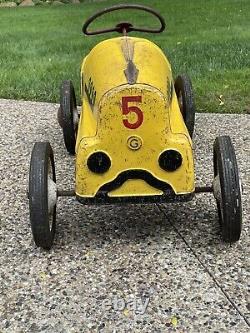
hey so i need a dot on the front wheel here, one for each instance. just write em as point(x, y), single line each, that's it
point(42, 195)
point(184, 93)
point(227, 189)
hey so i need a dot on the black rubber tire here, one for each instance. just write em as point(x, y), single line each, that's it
point(41, 157)
point(229, 207)
point(184, 91)
point(67, 115)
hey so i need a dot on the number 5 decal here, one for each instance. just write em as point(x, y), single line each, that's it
point(126, 109)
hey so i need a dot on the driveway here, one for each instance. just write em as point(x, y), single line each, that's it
point(133, 268)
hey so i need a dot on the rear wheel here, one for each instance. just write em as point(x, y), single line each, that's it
point(68, 115)
point(183, 89)
point(227, 189)
point(42, 195)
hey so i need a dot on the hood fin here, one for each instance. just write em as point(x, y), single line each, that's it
point(131, 72)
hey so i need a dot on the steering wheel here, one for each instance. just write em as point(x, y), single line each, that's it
point(123, 27)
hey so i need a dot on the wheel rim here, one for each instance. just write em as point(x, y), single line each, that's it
point(180, 102)
point(217, 191)
point(75, 119)
point(181, 105)
point(217, 188)
point(52, 195)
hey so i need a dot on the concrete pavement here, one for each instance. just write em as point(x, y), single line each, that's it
point(106, 261)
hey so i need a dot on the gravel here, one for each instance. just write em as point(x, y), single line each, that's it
point(108, 261)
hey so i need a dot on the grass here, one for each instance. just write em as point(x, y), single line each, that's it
point(209, 40)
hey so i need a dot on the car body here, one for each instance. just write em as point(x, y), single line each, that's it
point(133, 120)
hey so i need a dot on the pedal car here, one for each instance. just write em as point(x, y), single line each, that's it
point(133, 137)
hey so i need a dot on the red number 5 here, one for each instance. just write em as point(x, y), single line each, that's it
point(126, 109)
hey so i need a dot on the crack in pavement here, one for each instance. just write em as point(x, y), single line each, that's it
point(206, 269)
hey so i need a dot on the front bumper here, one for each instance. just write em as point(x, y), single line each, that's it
point(103, 195)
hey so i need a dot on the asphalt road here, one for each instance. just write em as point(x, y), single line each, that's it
point(119, 269)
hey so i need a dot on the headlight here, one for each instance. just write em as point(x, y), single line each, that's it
point(170, 160)
point(99, 162)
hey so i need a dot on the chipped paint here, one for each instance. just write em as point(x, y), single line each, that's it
point(111, 137)
point(131, 72)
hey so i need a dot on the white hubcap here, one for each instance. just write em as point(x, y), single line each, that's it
point(52, 195)
point(217, 188)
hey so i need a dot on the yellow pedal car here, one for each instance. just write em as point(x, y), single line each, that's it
point(133, 138)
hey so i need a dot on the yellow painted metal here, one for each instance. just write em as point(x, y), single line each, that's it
point(106, 63)
point(135, 187)
point(102, 128)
